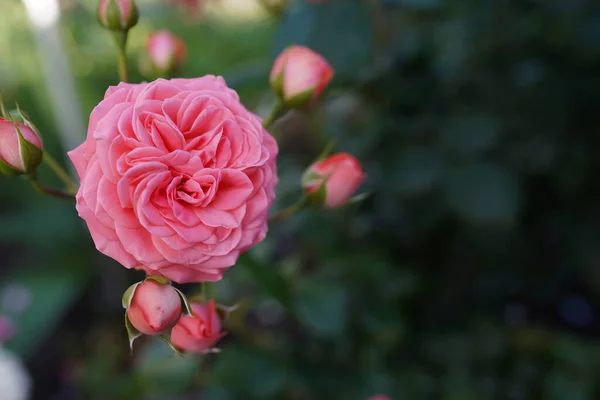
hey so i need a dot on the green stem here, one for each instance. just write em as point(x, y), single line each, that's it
point(61, 173)
point(290, 210)
point(278, 110)
point(327, 150)
point(120, 39)
point(59, 194)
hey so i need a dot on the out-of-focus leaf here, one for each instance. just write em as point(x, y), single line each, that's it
point(250, 372)
point(451, 48)
point(53, 289)
point(483, 194)
point(465, 135)
point(160, 370)
point(44, 226)
point(217, 394)
point(322, 307)
point(417, 170)
point(558, 386)
point(268, 278)
point(417, 4)
point(340, 30)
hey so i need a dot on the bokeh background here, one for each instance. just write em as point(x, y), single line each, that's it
point(471, 272)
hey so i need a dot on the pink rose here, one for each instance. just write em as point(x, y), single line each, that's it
point(200, 332)
point(379, 397)
point(341, 175)
point(154, 307)
point(299, 75)
point(117, 15)
point(166, 51)
point(18, 155)
point(177, 177)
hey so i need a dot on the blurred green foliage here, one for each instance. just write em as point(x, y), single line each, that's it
point(472, 270)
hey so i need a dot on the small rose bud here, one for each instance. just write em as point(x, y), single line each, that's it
point(118, 15)
point(334, 179)
point(300, 75)
point(166, 52)
point(379, 397)
point(154, 307)
point(20, 148)
point(199, 333)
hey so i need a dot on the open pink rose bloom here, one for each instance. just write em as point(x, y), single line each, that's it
point(177, 177)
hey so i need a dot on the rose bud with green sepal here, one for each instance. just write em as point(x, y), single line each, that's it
point(153, 307)
point(118, 15)
point(198, 333)
point(20, 148)
point(333, 180)
point(299, 76)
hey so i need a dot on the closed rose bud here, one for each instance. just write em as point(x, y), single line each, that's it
point(118, 15)
point(335, 179)
point(154, 307)
point(199, 333)
point(300, 75)
point(20, 148)
point(379, 397)
point(166, 52)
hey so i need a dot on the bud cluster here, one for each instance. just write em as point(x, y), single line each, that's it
point(155, 308)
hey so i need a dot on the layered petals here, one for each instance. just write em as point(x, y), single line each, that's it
point(177, 177)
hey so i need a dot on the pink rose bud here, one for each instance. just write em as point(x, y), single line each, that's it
point(154, 308)
point(334, 179)
point(379, 397)
point(166, 52)
point(20, 148)
point(300, 75)
point(118, 15)
point(199, 333)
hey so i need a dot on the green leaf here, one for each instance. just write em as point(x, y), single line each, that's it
point(132, 332)
point(268, 278)
point(30, 153)
point(167, 339)
point(323, 308)
point(128, 295)
point(483, 194)
point(185, 301)
point(3, 112)
point(7, 170)
point(339, 30)
point(26, 120)
point(159, 279)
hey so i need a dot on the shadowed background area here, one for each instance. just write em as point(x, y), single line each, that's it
point(471, 272)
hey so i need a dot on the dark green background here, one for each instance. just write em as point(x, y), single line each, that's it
point(471, 272)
